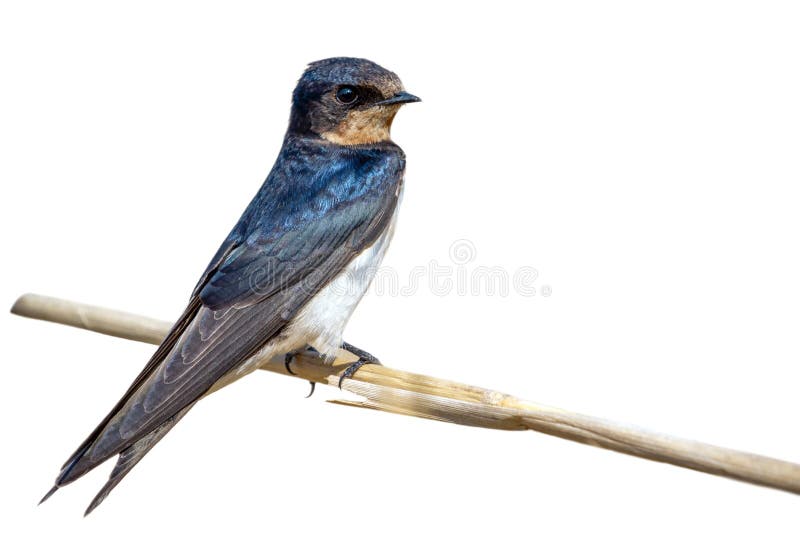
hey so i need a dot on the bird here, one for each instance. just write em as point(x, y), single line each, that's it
point(291, 271)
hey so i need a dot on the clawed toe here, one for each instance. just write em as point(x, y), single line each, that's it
point(364, 358)
point(351, 370)
point(287, 362)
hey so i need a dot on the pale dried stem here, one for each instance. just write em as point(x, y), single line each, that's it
point(390, 390)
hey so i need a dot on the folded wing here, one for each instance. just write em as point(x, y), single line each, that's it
point(260, 278)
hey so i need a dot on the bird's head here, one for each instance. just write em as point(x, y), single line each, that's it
point(347, 101)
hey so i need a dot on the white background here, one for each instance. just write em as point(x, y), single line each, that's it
point(642, 157)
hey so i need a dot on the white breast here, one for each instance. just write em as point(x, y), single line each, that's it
point(321, 322)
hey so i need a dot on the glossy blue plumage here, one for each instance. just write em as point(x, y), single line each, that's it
point(323, 205)
point(311, 183)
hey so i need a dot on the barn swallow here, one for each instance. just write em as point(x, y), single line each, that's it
point(321, 222)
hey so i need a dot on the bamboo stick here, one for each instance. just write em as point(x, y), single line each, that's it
point(401, 392)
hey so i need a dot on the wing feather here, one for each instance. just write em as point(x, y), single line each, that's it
point(262, 275)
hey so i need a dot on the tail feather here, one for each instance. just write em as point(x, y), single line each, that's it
point(79, 463)
point(126, 461)
point(130, 456)
point(72, 471)
point(66, 470)
point(49, 493)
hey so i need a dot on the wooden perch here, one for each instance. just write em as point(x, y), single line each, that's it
point(390, 390)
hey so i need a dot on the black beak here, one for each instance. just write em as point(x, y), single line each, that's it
point(400, 98)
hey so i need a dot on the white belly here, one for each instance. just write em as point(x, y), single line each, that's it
point(321, 322)
point(323, 319)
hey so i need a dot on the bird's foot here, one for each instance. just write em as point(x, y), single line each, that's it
point(364, 358)
point(287, 362)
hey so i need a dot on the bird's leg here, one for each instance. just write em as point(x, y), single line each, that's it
point(364, 358)
point(287, 362)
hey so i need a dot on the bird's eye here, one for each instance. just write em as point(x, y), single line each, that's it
point(347, 94)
